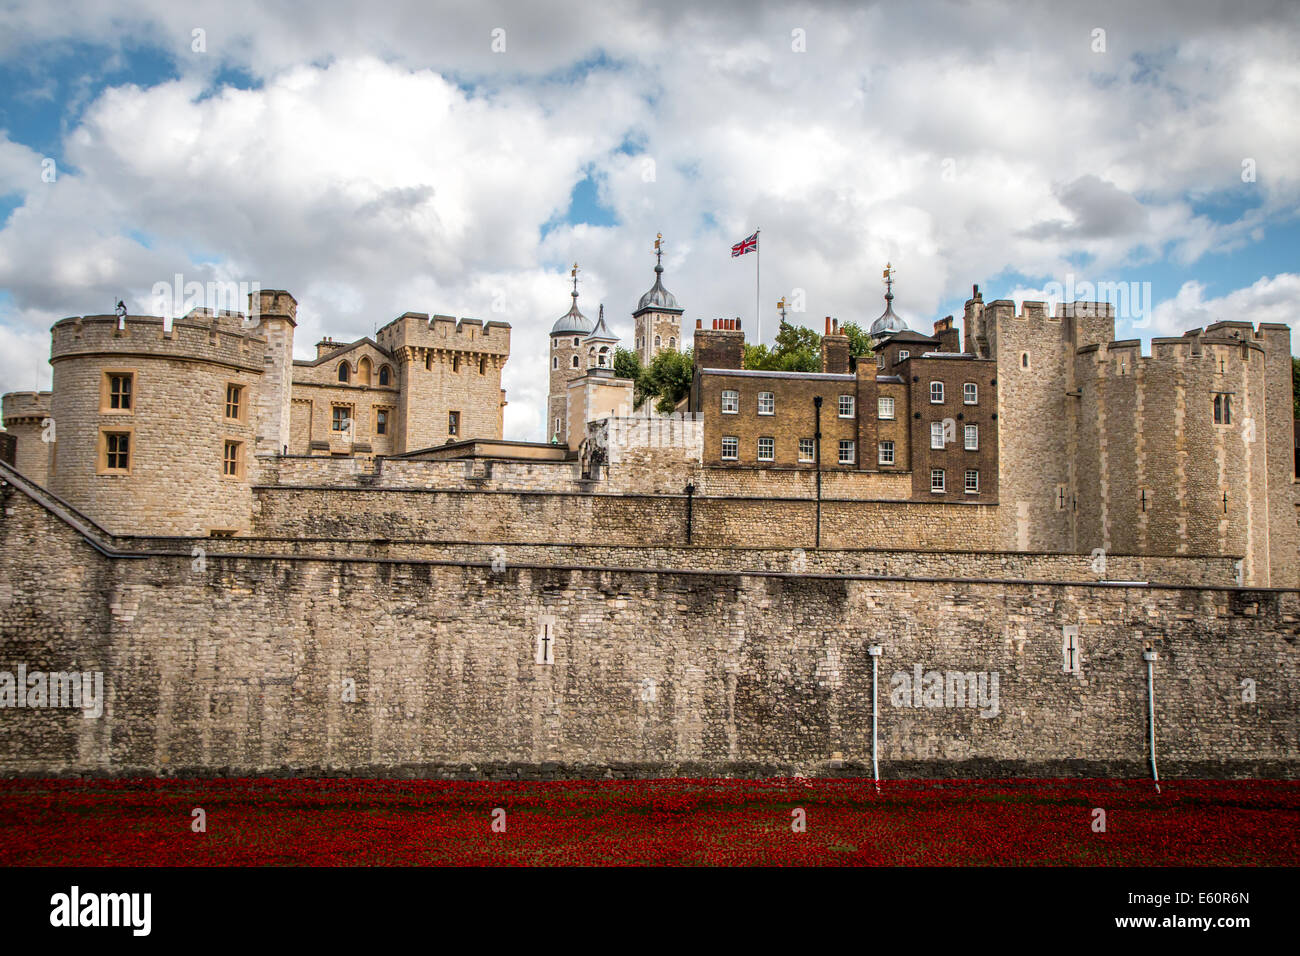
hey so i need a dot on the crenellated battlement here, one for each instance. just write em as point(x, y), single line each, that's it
point(200, 336)
point(17, 406)
point(445, 333)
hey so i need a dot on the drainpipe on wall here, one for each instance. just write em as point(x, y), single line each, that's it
point(1150, 657)
point(874, 651)
point(817, 444)
point(690, 500)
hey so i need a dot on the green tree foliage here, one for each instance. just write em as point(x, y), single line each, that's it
point(627, 364)
point(796, 349)
point(668, 378)
point(859, 341)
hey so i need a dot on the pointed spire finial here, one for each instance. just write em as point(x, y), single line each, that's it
point(574, 273)
point(659, 253)
point(888, 276)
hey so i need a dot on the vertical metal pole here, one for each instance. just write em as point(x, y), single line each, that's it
point(874, 651)
point(758, 283)
point(1150, 658)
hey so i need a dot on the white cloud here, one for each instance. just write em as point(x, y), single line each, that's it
point(392, 162)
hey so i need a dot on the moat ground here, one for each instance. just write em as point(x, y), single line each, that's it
point(674, 822)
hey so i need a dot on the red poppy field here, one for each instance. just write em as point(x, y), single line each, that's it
point(329, 822)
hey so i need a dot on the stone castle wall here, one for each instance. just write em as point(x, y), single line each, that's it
point(24, 413)
point(241, 666)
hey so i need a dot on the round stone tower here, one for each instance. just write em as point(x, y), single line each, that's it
point(156, 421)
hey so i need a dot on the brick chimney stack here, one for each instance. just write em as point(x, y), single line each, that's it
point(835, 348)
point(722, 346)
point(949, 338)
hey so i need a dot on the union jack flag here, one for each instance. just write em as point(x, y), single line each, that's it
point(744, 246)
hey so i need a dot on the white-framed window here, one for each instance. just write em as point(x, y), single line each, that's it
point(848, 452)
point(880, 360)
point(806, 450)
point(886, 456)
point(730, 448)
point(730, 401)
point(902, 354)
point(970, 394)
point(885, 408)
point(936, 434)
point(972, 437)
point(846, 406)
point(576, 342)
point(972, 481)
point(767, 403)
point(936, 481)
point(766, 449)
point(936, 393)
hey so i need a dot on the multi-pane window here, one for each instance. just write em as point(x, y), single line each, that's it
point(846, 406)
point(884, 408)
point(936, 393)
point(970, 394)
point(119, 392)
point(902, 354)
point(806, 449)
point(343, 371)
point(1223, 409)
point(767, 403)
point(230, 459)
point(233, 395)
point(342, 418)
point(848, 453)
point(730, 401)
point(972, 481)
point(886, 456)
point(936, 480)
point(766, 449)
point(880, 360)
point(383, 375)
point(972, 437)
point(936, 434)
point(730, 448)
point(117, 451)
point(453, 423)
point(381, 422)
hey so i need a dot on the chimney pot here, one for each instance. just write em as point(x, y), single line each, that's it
point(828, 325)
point(835, 325)
point(699, 323)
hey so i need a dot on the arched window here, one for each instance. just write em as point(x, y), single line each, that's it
point(575, 361)
point(555, 361)
point(603, 358)
point(656, 341)
point(576, 343)
point(672, 342)
point(343, 371)
point(363, 372)
point(384, 374)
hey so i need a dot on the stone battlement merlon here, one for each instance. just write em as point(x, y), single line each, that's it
point(445, 333)
point(21, 405)
point(216, 340)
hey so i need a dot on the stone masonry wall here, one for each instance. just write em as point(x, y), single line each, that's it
point(240, 667)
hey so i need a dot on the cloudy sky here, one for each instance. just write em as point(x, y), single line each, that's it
point(457, 158)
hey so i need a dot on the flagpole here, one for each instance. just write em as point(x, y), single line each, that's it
point(758, 282)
